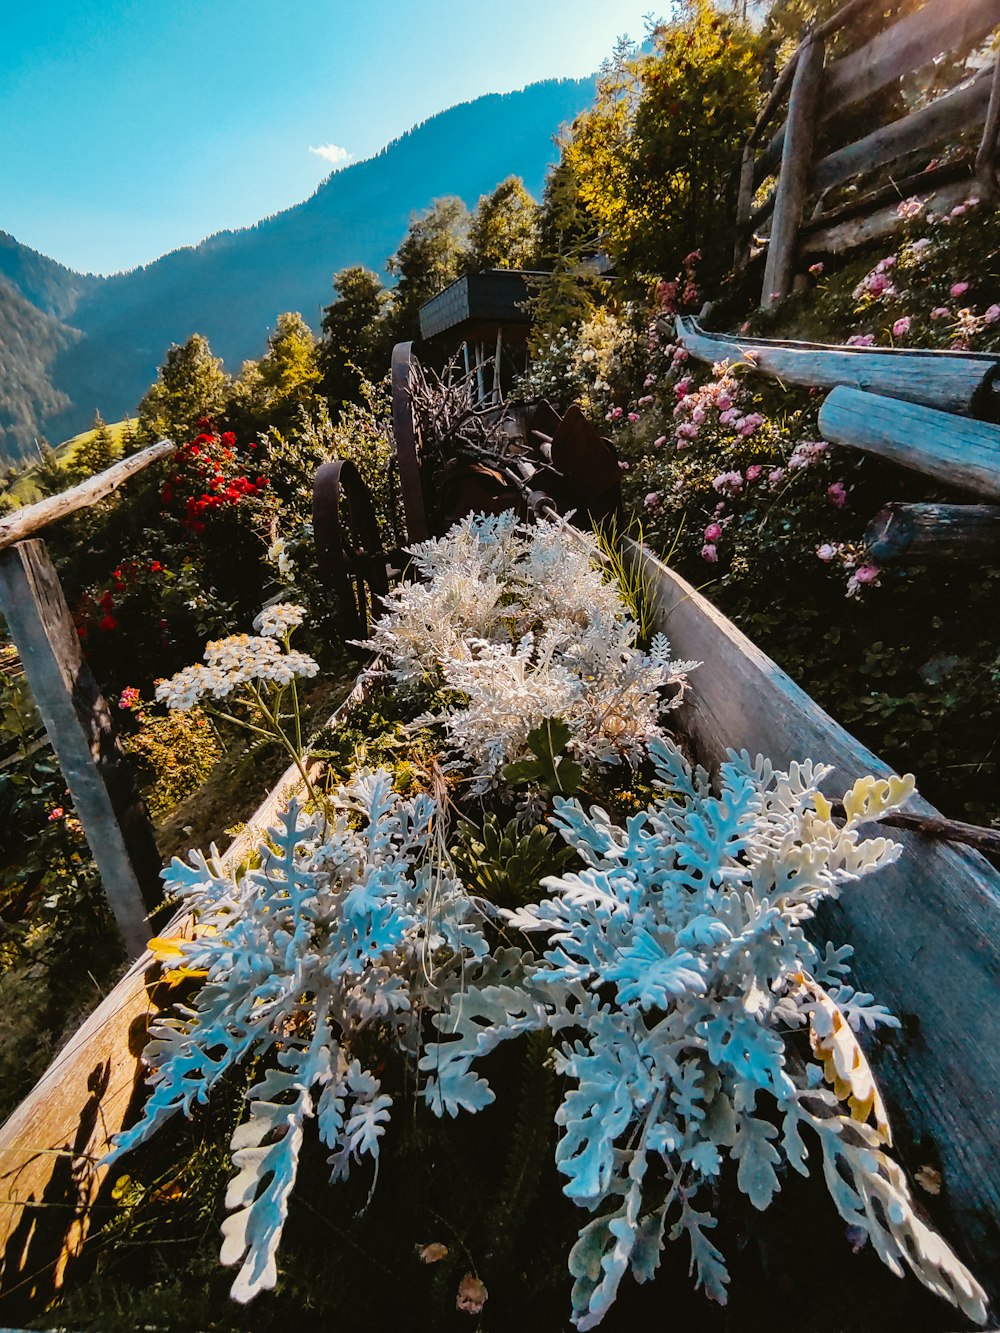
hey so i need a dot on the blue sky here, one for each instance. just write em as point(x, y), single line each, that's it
point(135, 126)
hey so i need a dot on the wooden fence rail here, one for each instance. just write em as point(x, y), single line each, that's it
point(820, 93)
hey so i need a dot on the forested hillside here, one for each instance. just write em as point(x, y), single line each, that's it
point(232, 286)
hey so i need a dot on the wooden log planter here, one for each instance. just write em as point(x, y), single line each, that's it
point(961, 382)
point(927, 938)
point(928, 532)
point(952, 450)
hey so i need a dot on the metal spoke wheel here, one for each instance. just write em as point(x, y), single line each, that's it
point(349, 552)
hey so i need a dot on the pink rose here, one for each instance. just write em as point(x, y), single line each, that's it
point(616, 413)
point(816, 270)
point(826, 552)
point(992, 314)
point(866, 573)
point(958, 289)
point(940, 312)
point(709, 553)
point(652, 500)
point(754, 471)
point(901, 327)
point(659, 442)
point(713, 532)
point(633, 417)
point(837, 494)
point(778, 475)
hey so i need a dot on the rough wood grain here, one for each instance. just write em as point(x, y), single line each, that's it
point(81, 732)
point(953, 381)
point(406, 443)
point(942, 25)
point(985, 170)
point(50, 1145)
point(953, 450)
point(922, 532)
point(944, 119)
point(741, 252)
point(841, 237)
point(32, 518)
point(926, 932)
point(796, 161)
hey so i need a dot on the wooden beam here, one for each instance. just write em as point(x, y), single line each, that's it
point(985, 166)
point(32, 518)
point(744, 204)
point(941, 25)
point(80, 730)
point(840, 238)
point(944, 118)
point(920, 183)
point(952, 450)
point(926, 931)
point(50, 1144)
point(953, 381)
point(924, 532)
point(796, 161)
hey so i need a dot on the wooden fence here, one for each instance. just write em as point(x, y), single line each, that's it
point(76, 717)
point(819, 92)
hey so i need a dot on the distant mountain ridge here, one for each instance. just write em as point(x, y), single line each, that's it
point(233, 285)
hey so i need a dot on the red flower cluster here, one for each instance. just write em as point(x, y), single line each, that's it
point(209, 477)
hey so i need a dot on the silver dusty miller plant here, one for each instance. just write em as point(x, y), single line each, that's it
point(514, 625)
point(341, 926)
point(679, 974)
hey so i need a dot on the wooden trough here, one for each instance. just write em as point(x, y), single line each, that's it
point(927, 935)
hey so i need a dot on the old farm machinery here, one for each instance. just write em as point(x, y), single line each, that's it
point(460, 449)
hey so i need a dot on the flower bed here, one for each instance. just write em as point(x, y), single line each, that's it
point(577, 885)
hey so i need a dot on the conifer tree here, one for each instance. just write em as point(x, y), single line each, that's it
point(97, 451)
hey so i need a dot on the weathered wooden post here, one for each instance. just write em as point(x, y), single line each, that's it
point(921, 532)
point(75, 715)
point(79, 727)
point(744, 240)
point(953, 450)
point(793, 182)
point(986, 174)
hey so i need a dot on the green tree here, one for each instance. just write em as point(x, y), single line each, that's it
point(504, 231)
point(656, 157)
point(430, 256)
point(49, 474)
point(191, 384)
point(271, 391)
point(357, 337)
point(97, 451)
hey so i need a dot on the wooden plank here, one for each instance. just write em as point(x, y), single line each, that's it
point(741, 251)
point(922, 532)
point(944, 118)
point(926, 931)
point(985, 170)
point(32, 518)
point(406, 443)
point(842, 237)
point(796, 160)
point(952, 450)
point(952, 381)
point(91, 1090)
point(942, 25)
point(81, 732)
point(919, 183)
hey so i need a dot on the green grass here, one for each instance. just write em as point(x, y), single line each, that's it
point(25, 489)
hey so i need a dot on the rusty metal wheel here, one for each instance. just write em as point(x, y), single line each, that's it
point(349, 550)
point(407, 451)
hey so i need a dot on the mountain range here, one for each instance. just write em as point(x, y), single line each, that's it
point(72, 343)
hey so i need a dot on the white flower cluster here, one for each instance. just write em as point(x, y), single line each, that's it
point(232, 662)
point(274, 622)
point(519, 623)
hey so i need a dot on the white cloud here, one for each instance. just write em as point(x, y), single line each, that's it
point(332, 153)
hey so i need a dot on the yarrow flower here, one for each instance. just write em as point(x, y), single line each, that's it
point(232, 662)
point(274, 622)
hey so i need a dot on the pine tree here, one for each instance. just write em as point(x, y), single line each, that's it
point(191, 385)
point(97, 451)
